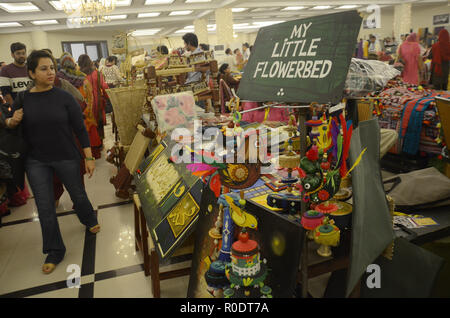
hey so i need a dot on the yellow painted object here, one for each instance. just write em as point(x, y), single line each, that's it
point(328, 235)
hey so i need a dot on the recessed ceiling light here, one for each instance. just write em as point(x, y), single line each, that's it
point(44, 22)
point(235, 10)
point(292, 8)
point(196, 1)
point(181, 31)
point(57, 5)
point(148, 2)
point(186, 12)
point(149, 14)
point(145, 32)
point(116, 17)
point(266, 23)
point(321, 7)
point(19, 7)
point(10, 24)
point(264, 9)
point(123, 3)
point(348, 6)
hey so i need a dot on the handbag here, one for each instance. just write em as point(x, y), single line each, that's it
point(12, 143)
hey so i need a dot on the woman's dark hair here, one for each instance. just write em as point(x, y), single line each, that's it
point(17, 46)
point(34, 57)
point(228, 51)
point(246, 45)
point(190, 39)
point(235, 51)
point(85, 63)
point(163, 49)
point(223, 67)
point(111, 59)
point(251, 48)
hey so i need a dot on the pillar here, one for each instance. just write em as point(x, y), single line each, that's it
point(39, 40)
point(201, 30)
point(402, 19)
point(224, 23)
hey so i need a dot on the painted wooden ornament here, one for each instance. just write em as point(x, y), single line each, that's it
point(327, 235)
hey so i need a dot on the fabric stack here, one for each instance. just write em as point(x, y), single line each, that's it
point(411, 111)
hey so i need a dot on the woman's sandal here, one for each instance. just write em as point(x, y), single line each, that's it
point(47, 268)
point(95, 229)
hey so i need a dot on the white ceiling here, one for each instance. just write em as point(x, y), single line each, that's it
point(256, 11)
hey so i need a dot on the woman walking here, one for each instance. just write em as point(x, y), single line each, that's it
point(440, 61)
point(70, 72)
point(409, 52)
point(50, 116)
point(99, 88)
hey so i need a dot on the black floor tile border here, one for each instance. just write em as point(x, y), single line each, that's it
point(86, 290)
point(111, 205)
point(35, 219)
point(104, 206)
point(36, 290)
point(119, 272)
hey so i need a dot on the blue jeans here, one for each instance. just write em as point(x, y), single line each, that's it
point(40, 177)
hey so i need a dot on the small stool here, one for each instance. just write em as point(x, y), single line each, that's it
point(144, 243)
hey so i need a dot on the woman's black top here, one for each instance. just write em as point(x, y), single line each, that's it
point(50, 121)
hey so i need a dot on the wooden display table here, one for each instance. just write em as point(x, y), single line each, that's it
point(144, 243)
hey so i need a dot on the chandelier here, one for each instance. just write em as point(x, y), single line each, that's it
point(89, 11)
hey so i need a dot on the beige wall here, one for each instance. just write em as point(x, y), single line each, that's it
point(421, 17)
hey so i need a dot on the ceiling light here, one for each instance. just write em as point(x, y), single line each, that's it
point(116, 17)
point(19, 7)
point(264, 9)
point(145, 32)
point(10, 24)
point(148, 14)
point(57, 5)
point(148, 2)
point(348, 6)
point(235, 10)
point(123, 3)
point(293, 8)
point(321, 7)
point(266, 23)
point(196, 1)
point(182, 31)
point(44, 22)
point(186, 12)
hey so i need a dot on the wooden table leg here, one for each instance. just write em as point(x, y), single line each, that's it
point(144, 234)
point(154, 263)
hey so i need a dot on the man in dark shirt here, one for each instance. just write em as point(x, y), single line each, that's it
point(14, 77)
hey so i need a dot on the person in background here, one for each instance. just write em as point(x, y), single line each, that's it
point(371, 48)
point(163, 49)
point(13, 77)
point(99, 88)
point(230, 60)
point(360, 49)
point(251, 49)
point(50, 117)
point(409, 52)
point(225, 74)
point(440, 56)
point(111, 73)
point(69, 71)
point(246, 52)
point(191, 46)
point(239, 59)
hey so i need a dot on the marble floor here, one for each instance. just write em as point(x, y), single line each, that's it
point(107, 262)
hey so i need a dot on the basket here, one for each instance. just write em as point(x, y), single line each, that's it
point(127, 103)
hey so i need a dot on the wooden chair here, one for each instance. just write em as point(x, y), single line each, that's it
point(144, 243)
